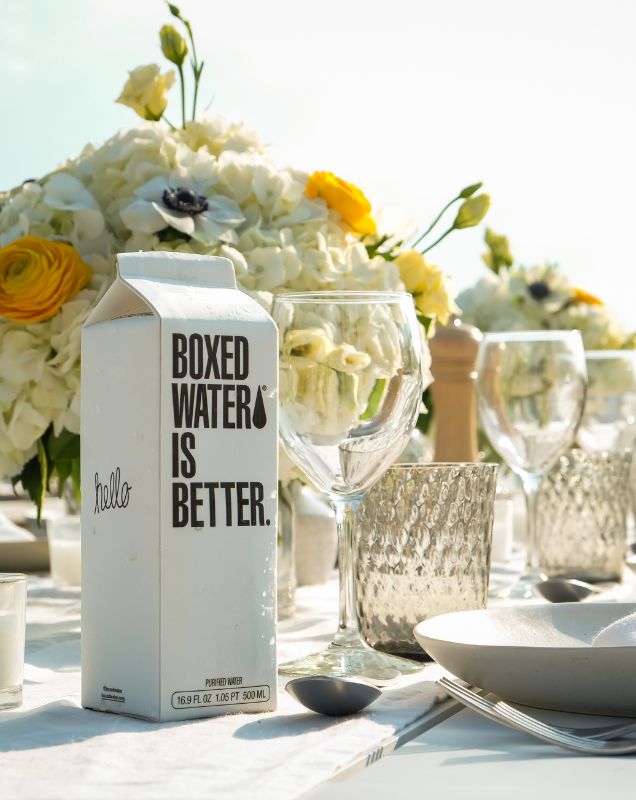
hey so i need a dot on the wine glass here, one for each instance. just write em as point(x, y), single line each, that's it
point(609, 417)
point(350, 395)
point(531, 392)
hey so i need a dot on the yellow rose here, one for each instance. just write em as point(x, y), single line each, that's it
point(37, 276)
point(581, 296)
point(413, 270)
point(343, 197)
point(428, 284)
point(145, 91)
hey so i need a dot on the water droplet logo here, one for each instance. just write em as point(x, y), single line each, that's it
point(259, 417)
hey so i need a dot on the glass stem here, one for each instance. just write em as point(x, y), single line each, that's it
point(531, 485)
point(348, 634)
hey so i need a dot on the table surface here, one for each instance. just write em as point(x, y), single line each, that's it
point(52, 748)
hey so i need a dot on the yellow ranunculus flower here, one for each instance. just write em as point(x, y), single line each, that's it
point(37, 276)
point(428, 285)
point(343, 197)
point(581, 296)
point(145, 91)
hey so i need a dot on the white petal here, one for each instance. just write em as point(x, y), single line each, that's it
point(176, 219)
point(142, 217)
point(153, 189)
point(222, 209)
point(67, 193)
point(206, 230)
point(89, 224)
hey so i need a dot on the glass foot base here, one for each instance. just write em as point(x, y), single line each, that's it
point(11, 697)
point(357, 660)
point(526, 586)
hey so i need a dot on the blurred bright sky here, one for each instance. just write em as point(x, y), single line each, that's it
point(409, 100)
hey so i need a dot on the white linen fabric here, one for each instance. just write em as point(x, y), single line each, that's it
point(52, 748)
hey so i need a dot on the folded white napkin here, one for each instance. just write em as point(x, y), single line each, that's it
point(621, 633)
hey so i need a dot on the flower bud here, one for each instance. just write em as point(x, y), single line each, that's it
point(498, 254)
point(472, 211)
point(173, 45)
point(470, 190)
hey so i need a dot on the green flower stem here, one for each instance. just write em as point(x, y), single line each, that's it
point(196, 68)
point(197, 75)
point(437, 241)
point(182, 80)
point(435, 221)
point(167, 121)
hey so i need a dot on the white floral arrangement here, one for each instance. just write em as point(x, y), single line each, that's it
point(514, 297)
point(206, 187)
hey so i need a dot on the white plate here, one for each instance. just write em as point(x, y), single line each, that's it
point(538, 655)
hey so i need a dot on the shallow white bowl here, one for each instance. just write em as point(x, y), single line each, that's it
point(538, 655)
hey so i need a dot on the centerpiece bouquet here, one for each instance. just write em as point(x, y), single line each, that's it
point(202, 185)
point(515, 297)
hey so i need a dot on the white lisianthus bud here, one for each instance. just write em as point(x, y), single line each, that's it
point(346, 358)
point(307, 345)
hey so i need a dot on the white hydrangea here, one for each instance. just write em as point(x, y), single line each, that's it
point(539, 298)
point(111, 199)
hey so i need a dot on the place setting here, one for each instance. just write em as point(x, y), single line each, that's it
point(278, 500)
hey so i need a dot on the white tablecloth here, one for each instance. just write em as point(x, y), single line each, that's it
point(52, 748)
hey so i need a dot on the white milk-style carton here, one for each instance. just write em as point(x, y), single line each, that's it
point(179, 477)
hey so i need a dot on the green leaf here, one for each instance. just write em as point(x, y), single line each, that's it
point(174, 10)
point(470, 190)
point(425, 322)
point(66, 446)
point(374, 399)
point(170, 234)
point(424, 420)
point(34, 478)
point(63, 472)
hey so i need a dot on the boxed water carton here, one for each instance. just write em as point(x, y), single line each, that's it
point(179, 476)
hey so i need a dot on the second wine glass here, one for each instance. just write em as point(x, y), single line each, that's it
point(350, 395)
point(531, 393)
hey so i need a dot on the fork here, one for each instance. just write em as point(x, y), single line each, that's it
point(547, 733)
point(613, 731)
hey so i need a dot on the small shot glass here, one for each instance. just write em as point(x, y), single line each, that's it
point(65, 551)
point(12, 627)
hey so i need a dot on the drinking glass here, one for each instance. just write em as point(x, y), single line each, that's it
point(12, 627)
point(531, 392)
point(609, 417)
point(64, 535)
point(350, 394)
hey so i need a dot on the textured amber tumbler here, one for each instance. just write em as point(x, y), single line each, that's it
point(582, 515)
point(423, 536)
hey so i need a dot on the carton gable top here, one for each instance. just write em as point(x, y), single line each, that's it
point(176, 286)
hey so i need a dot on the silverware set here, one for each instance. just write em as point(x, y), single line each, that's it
point(605, 740)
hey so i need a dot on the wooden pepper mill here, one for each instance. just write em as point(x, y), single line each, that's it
point(454, 357)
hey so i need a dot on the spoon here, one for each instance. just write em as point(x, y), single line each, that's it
point(334, 697)
point(565, 590)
